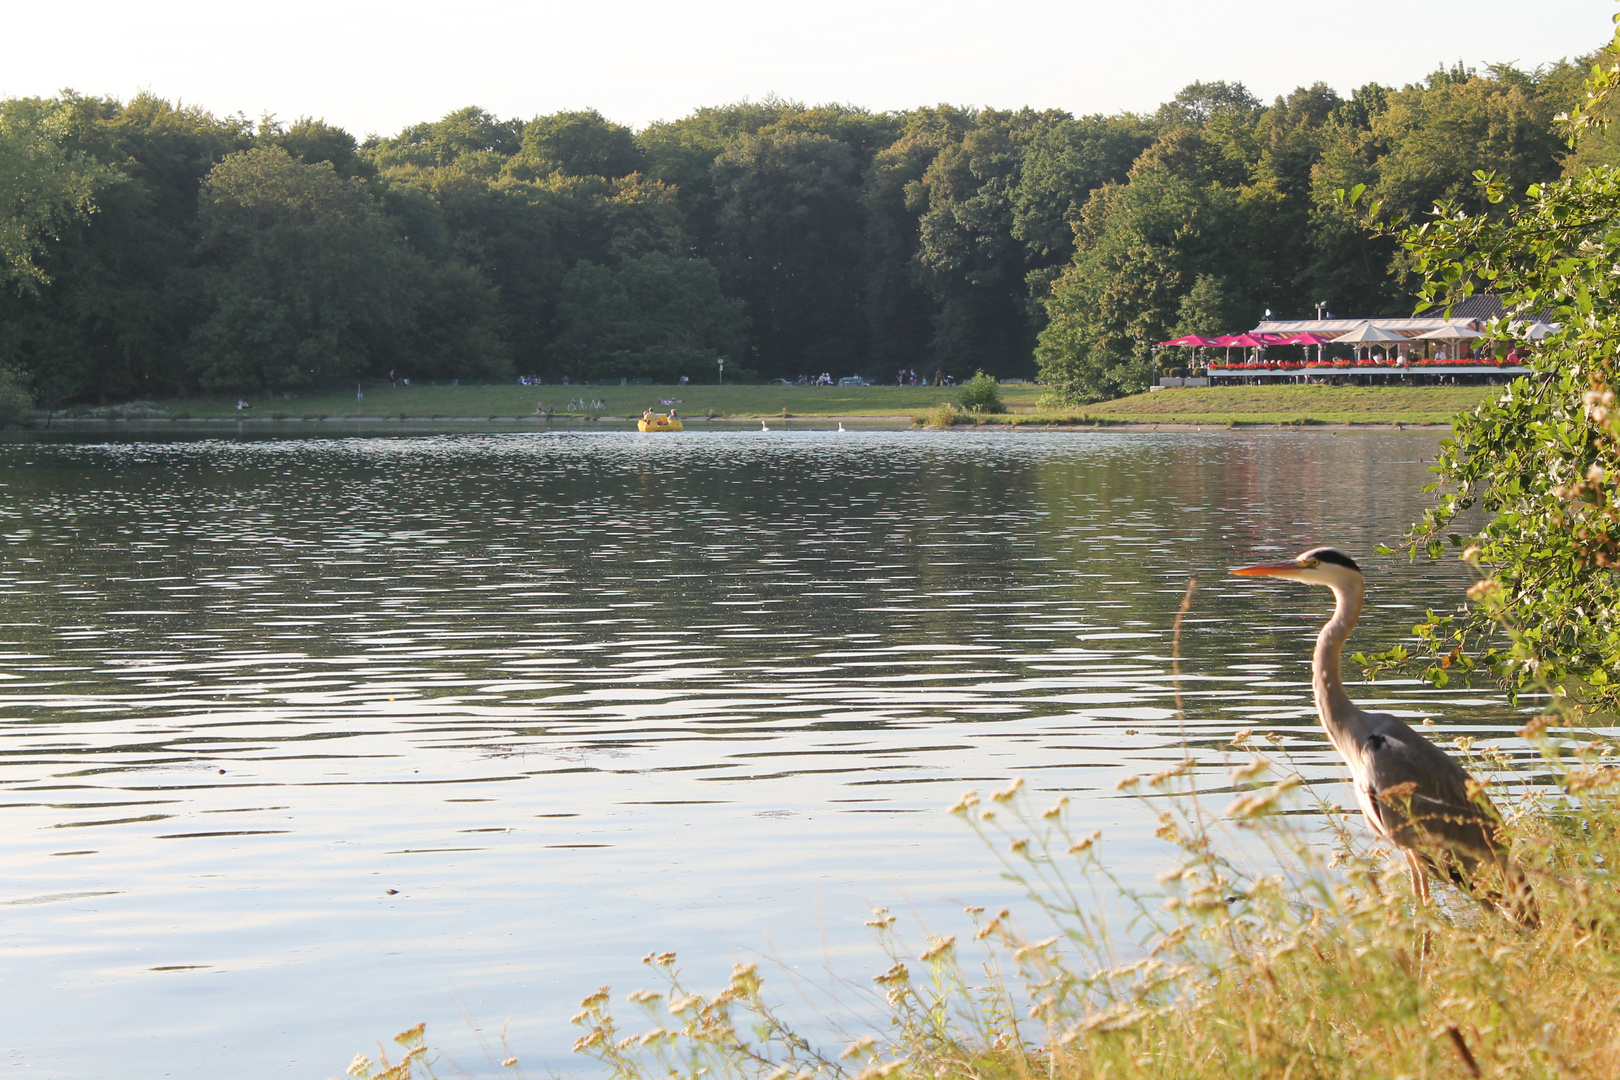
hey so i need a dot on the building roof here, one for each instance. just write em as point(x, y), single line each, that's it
point(1479, 306)
point(1470, 311)
point(1408, 326)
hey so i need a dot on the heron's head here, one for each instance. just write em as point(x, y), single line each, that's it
point(1319, 566)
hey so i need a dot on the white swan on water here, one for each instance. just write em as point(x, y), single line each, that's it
point(840, 425)
point(762, 426)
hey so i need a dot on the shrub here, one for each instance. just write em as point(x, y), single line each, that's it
point(944, 416)
point(980, 394)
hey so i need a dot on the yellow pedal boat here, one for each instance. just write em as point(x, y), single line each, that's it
point(661, 423)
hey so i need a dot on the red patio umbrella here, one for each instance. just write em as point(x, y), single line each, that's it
point(1250, 341)
point(1190, 339)
point(1226, 341)
point(1308, 339)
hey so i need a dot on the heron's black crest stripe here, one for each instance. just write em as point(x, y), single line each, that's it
point(1376, 741)
point(1336, 557)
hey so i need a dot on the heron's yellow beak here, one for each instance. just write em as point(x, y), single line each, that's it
point(1289, 569)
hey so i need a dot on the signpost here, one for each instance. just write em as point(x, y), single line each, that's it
point(722, 371)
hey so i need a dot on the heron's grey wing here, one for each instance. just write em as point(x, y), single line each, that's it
point(1419, 793)
point(1430, 813)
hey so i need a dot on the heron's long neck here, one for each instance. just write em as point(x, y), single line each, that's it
point(1333, 705)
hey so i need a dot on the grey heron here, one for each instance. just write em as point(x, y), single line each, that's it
point(1412, 793)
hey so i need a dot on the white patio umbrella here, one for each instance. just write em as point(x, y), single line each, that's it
point(1536, 331)
point(1368, 334)
point(1450, 333)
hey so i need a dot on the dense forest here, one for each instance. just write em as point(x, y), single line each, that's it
point(149, 249)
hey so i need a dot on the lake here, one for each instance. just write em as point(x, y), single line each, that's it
point(307, 740)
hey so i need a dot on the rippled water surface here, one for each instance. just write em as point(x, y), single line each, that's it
point(306, 741)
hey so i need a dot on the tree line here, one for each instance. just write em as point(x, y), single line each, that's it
point(149, 249)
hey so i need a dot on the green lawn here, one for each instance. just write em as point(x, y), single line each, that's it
point(483, 402)
point(1212, 405)
point(1294, 404)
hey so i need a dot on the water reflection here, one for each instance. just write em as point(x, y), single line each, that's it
point(305, 739)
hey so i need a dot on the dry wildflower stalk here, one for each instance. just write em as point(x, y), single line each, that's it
point(1320, 966)
point(1322, 969)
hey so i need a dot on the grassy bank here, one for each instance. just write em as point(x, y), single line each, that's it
point(484, 402)
point(1295, 404)
point(1321, 963)
point(1214, 405)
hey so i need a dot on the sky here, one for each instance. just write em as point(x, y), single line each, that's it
point(374, 67)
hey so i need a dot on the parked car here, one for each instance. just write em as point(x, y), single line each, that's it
point(781, 382)
point(853, 380)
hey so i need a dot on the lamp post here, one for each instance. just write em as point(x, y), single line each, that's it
point(722, 362)
point(1321, 305)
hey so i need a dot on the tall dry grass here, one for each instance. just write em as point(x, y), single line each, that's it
point(1277, 946)
point(1313, 959)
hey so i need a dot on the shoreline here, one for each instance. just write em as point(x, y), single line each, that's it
point(791, 421)
point(515, 408)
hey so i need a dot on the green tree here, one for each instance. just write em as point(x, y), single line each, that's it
point(459, 325)
point(1347, 264)
point(789, 244)
point(682, 153)
point(15, 400)
point(467, 132)
point(313, 141)
point(522, 236)
point(578, 144)
point(519, 236)
point(1143, 248)
point(1062, 166)
point(1434, 138)
point(1413, 148)
point(123, 295)
point(1562, 88)
point(303, 273)
point(1123, 291)
point(43, 186)
point(1200, 103)
point(456, 329)
point(900, 308)
point(1205, 308)
point(651, 316)
point(1542, 459)
point(967, 254)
